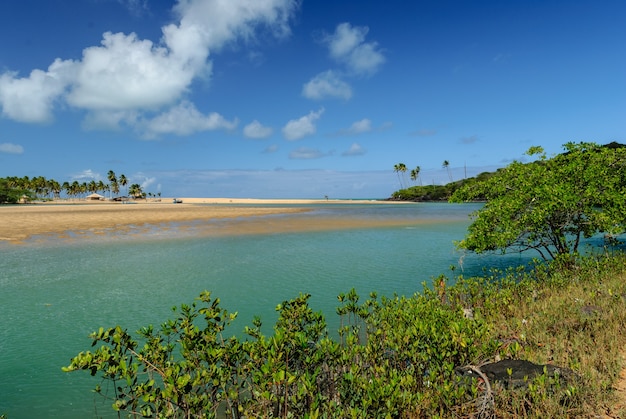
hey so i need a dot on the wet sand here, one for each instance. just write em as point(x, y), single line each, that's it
point(21, 222)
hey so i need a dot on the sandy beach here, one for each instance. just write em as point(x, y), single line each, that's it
point(21, 222)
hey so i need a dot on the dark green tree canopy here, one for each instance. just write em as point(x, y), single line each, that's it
point(549, 205)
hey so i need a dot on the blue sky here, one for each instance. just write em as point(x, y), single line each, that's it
point(301, 99)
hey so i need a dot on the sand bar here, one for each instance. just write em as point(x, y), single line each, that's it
point(21, 222)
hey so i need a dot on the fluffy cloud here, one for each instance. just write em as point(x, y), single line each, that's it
point(30, 99)
point(256, 130)
point(299, 128)
point(347, 45)
point(11, 148)
point(327, 84)
point(126, 75)
point(185, 119)
point(355, 150)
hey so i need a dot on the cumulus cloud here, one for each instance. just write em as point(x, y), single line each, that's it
point(223, 21)
point(299, 128)
point(185, 119)
point(125, 74)
point(30, 99)
point(256, 130)
point(11, 148)
point(355, 150)
point(305, 153)
point(347, 45)
point(327, 85)
point(110, 120)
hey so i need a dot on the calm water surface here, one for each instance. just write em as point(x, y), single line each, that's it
point(53, 293)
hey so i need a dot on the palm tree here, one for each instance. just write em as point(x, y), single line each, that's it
point(135, 191)
point(75, 189)
point(124, 182)
point(400, 168)
point(446, 165)
point(415, 174)
point(101, 186)
point(92, 186)
point(67, 188)
point(112, 181)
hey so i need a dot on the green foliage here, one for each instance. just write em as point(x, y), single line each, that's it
point(549, 205)
point(436, 192)
point(10, 193)
point(397, 357)
point(387, 365)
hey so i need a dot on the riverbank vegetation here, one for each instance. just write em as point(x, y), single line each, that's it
point(550, 205)
point(403, 357)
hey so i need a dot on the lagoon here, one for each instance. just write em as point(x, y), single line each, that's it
point(54, 292)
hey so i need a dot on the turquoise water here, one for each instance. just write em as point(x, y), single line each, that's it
point(53, 293)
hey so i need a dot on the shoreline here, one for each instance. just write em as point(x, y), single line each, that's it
point(195, 200)
point(22, 222)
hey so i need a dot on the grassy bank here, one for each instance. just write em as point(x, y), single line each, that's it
point(570, 316)
point(428, 355)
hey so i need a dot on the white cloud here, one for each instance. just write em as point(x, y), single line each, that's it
point(185, 119)
point(256, 130)
point(327, 84)
point(348, 46)
point(30, 99)
point(355, 150)
point(11, 148)
point(128, 74)
point(364, 125)
point(223, 21)
point(144, 181)
point(299, 128)
point(305, 153)
point(87, 174)
point(110, 120)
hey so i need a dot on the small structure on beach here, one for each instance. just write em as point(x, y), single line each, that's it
point(95, 197)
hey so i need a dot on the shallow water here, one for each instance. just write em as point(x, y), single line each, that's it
point(54, 292)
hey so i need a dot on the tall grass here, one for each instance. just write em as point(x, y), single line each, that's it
point(570, 315)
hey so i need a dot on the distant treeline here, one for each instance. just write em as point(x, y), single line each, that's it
point(426, 193)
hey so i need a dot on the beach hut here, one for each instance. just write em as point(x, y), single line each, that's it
point(95, 197)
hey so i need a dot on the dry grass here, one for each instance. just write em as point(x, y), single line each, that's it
point(574, 318)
